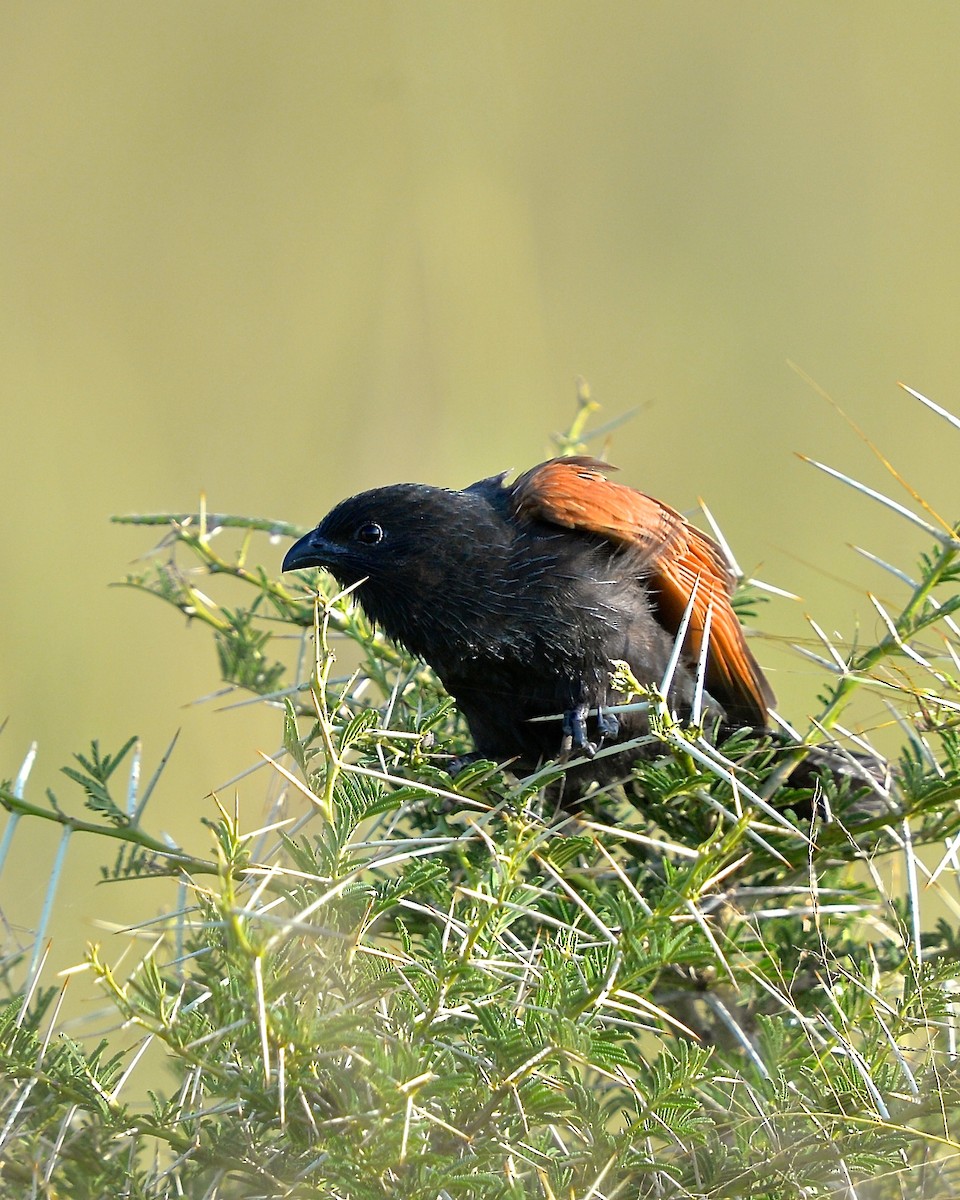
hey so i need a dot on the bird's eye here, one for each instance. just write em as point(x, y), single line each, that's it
point(369, 534)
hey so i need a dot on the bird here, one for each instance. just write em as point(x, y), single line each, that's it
point(522, 595)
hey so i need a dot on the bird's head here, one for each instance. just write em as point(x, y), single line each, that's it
point(370, 536)
point(411, 552)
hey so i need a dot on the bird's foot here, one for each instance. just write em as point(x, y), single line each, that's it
point(608, 724)
point(575, 733)
point(456, 765)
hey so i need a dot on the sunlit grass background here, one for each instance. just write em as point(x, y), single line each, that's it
point(283, 252)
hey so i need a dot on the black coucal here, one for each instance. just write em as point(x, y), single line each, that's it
point(521, 595)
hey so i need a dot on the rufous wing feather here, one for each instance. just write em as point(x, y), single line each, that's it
point(673, 556)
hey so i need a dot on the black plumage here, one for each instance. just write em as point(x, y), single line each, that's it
point(520, 596)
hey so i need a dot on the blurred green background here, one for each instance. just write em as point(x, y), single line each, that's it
point(283, 252)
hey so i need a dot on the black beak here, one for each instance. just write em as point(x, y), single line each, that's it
point(310, 551)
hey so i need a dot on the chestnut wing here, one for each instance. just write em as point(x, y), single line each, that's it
point(576, 494)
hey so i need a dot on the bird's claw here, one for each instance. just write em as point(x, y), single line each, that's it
point(456, 765)
point(575, 733)
point(608, 723)
point(575, 730)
